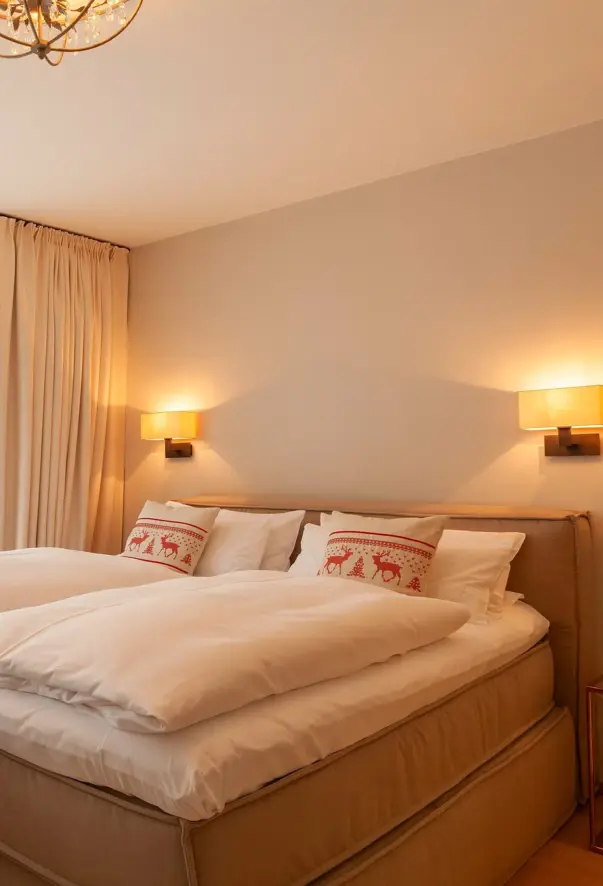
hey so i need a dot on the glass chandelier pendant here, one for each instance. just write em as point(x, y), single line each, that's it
point(51, 28)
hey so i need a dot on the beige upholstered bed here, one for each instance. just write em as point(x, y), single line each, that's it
point(463, 791)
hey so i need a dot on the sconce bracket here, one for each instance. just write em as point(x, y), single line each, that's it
point(179, 449)
point(565, 443)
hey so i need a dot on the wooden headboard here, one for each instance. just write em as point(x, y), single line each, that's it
point(554, 570)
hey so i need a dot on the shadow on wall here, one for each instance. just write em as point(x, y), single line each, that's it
point(345, 431)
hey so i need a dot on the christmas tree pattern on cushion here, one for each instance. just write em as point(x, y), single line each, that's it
point(414, 585)
point(358, 570)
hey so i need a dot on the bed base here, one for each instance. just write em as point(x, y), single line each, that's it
point(482, 832)
point(525, 793)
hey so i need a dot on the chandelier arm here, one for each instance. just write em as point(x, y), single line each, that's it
point(14, 40)
point(75, 22)
point(103, 42)
point(61, 56)
point(38, 31)
point(20, 55)
point(41, 25)
point(55, 64)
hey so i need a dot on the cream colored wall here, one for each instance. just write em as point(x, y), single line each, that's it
point(369, 344)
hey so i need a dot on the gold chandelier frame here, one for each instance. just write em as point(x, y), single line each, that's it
point(42, 48)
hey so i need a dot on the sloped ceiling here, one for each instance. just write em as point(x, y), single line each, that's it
point(210, 110)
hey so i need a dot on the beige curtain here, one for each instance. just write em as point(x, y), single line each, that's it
point(63, 316)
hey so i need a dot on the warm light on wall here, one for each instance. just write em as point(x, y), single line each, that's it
point(170, 426)
point(563, 409)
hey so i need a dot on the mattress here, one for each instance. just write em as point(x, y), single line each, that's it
point(297, 828)
point(195, 772)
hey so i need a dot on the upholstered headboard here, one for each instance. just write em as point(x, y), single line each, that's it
point(554, 570)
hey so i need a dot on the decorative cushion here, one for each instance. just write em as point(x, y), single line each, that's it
point(233, 545)
point(170, 536)
point(393, 553)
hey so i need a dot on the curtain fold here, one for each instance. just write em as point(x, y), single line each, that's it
point(63, 341)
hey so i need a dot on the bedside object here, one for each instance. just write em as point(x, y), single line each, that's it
point(563, 409)
point(592, 691)
point(176, 429)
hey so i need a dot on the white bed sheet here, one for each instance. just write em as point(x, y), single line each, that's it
point(193, 773)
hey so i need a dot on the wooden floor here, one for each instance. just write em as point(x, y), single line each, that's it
point(565, 861)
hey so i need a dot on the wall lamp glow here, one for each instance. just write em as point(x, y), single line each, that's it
point(562, 409)
point(170, 427)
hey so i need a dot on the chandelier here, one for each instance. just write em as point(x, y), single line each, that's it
point(51, 28)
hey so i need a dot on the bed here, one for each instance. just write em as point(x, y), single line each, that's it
point(458, 786)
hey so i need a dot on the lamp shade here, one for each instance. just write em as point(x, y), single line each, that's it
point(169, 425)
point(580, 407)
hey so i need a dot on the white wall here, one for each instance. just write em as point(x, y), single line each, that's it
point(369, 344)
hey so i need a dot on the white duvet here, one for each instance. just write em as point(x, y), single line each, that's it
point(162, 657)
point(41, 575)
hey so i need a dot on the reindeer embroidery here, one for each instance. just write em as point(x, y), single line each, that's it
point(382, 566)
point(169, 548)
point(336, 561)
point(137, 541)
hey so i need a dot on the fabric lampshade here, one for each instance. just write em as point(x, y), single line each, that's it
point(579, 407)
point(169, 425)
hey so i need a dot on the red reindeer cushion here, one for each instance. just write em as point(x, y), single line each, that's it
point(394, 553)
point(173, 537)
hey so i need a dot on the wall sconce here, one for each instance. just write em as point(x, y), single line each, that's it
point(171, 426)
point(562, 409)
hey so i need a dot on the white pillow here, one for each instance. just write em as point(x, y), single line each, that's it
point(497, 596)
point(310, 558)
point(283, 530)
point(394, 553)
point(471, 568)
point(170, 536)
point(233, 545)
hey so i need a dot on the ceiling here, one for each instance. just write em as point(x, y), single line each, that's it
point(210, 110)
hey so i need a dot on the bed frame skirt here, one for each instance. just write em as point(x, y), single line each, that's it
point(480, 832)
